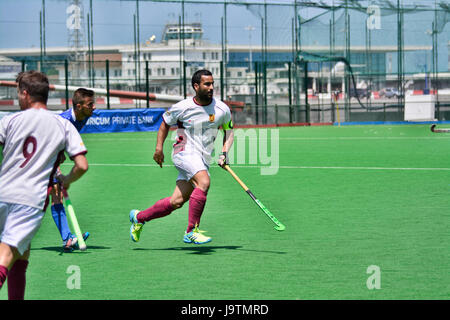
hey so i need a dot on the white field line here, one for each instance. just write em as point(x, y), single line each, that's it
point(285, 138)
point(280, 167)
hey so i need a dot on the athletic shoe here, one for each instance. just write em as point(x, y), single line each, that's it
point(196, 236)
point(85, 237)
point(69, 244)
point(136, 227)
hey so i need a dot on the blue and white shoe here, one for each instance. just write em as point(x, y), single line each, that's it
point(136, 227)
point(196, 236)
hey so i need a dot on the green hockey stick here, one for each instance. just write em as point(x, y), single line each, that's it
point(74, 221)
point(278, 225)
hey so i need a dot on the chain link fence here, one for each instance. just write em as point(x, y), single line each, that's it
point(274, 62)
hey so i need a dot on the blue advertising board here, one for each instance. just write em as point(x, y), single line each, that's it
point(129, 120)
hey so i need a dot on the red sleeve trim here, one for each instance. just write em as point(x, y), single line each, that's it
point(81, 153)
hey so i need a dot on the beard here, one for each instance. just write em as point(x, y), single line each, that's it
point(205, 96)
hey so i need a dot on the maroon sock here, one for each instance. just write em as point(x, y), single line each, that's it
point(17, 280)
point(197, 203)
point(3, 275)
point(160, 209)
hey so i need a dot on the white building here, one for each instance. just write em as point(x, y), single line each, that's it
point(183, 49)
point(9, 68)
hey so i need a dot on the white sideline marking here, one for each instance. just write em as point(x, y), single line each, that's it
point(290, 138)
point(259, 167)
point(367, 138)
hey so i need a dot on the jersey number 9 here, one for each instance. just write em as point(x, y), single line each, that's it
point(28, 154)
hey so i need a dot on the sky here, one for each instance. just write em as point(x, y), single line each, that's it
point(113, 23)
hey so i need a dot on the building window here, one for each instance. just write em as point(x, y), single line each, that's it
point(204, 55)
point(161, 71)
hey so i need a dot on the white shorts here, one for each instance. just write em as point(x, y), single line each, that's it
point(188, 164)
point(19, 224)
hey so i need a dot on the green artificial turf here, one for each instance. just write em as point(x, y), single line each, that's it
point(350, 197)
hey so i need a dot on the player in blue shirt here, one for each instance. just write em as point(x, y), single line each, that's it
point(83, 107)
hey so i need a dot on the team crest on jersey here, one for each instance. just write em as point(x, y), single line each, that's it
point(211, 117)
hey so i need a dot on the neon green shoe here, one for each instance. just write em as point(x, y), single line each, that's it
point(196, 236)
point(136, 227)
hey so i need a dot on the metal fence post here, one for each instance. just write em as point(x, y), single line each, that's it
point(222, 93)
point(108, 105)
point(66, 71)
point(265, 92)
point(305, 88)
point(438, 104)
point(333, 116)
point(147, 84)
point(184, 79)
point(276, 114)
point(256, 93)
point(290, 90)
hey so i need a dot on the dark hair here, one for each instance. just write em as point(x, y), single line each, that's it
point(197, 77)
point(35, 83)
point(80, 94)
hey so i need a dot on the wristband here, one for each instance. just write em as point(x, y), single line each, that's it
point(225, 155)
point(228, 125)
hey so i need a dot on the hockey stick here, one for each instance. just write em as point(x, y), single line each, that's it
point(74, 221)
point(433, 128)
point(278, 225)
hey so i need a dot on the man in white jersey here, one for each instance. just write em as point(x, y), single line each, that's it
point(34, 141)
point(198, 119)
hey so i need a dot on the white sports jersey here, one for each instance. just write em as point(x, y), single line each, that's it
point(197, 125)
point(32, 140)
